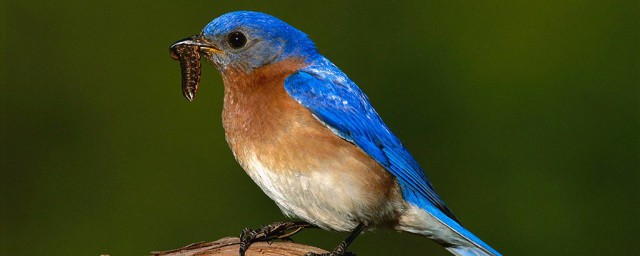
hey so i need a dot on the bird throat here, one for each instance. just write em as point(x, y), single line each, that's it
point(255, 101)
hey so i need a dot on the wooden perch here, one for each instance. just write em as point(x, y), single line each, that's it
point(229, 246)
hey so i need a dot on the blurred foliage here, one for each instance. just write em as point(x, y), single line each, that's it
point(525, 115)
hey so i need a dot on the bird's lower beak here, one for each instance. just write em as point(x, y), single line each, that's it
point(188, 51)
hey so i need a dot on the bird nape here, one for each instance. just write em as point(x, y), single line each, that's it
point(309, 138)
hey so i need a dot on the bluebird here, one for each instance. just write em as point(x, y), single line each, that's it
point(310, 139)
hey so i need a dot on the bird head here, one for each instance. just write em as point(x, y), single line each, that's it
point(248, 40)
point(240, 41)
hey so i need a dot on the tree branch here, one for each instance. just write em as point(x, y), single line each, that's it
point(229, 246)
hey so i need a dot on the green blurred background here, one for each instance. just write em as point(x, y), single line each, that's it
point(525, 115)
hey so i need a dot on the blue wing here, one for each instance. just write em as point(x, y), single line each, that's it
point(336, 101)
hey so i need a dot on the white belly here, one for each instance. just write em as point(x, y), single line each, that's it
point(332, 202)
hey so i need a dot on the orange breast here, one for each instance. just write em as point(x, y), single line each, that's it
point(262, 121)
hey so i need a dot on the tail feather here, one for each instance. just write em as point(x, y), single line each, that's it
point(434, 224)
point(472, 246)
point(468, 251)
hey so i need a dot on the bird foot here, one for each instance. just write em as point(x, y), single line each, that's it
point(340, 250)
point(277, 230)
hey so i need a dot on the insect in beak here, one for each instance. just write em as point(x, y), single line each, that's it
point(188, 51)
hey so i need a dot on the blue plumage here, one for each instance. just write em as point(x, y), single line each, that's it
point(334, 99)
point(337, 102)
point(270, 39)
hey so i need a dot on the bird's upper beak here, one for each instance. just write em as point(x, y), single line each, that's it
point(200, 43)
point(188, 51)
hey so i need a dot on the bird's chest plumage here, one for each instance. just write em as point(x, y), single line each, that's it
point(298, 162)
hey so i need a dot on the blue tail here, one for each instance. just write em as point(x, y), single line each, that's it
point(468, 251)
point(469, 244)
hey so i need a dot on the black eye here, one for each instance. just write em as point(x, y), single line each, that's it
point(236, 39)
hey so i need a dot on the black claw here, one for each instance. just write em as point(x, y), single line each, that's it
point(247, 237)
point(277, 230)
point(341, 249)
point(333, 253)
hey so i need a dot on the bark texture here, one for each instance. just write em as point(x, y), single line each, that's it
point(229, 246)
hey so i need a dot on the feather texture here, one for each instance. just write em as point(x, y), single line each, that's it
point(341, 105)
point(338, 103)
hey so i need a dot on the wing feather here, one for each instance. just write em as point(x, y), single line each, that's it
point(336, 101)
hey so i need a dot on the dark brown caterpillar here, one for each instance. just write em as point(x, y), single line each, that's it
point(189, 57)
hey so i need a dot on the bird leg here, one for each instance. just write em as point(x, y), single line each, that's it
point(341, 249)
point(276, 230)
